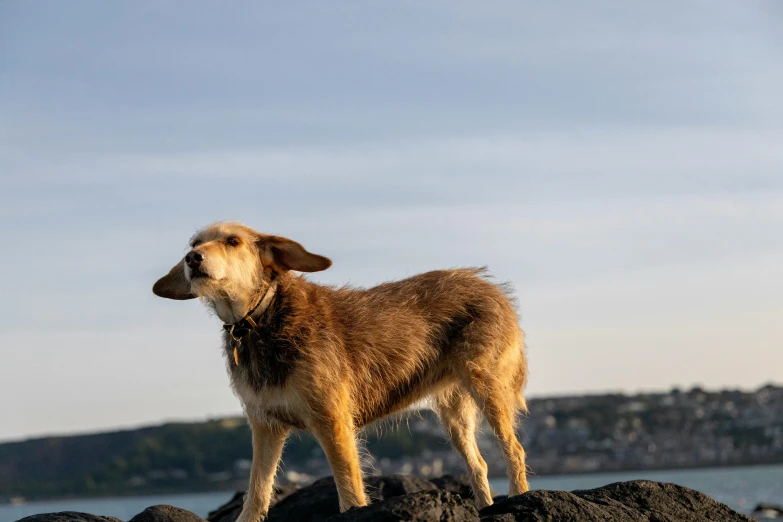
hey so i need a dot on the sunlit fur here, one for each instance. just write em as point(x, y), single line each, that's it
point(331, 360)
point(236, 274)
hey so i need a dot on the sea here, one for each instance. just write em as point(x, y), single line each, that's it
point(742, 488)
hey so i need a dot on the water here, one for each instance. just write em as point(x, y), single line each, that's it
point(123, 508)
point(740, 488)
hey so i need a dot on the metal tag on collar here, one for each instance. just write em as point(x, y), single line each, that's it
point(237, 343)
point(231, 333)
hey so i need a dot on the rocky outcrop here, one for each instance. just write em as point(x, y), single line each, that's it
point(424, 506)
point(456, 484)
point(319, 501)
point(636, 501)
point(165, 513)
point(230, 511)
point(399, 498)
point(380, 488)
point(68, 516)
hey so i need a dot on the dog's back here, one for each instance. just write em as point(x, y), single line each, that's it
point(411, 338)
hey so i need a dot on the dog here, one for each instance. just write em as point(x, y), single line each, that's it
point(332, 360)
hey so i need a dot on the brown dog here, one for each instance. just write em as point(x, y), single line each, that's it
point(331, 360)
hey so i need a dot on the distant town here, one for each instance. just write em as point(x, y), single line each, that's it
point(594, 433)
point(678, 429)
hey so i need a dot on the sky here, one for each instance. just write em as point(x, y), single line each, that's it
point(619, 162)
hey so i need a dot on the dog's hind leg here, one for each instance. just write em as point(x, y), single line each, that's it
point(268, 443)
point(500, 403)
point(458, 412)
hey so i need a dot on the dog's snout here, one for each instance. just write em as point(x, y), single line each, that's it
point(194, 258)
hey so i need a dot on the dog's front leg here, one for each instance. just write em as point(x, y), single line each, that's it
point(268, 443)
point(338, 440)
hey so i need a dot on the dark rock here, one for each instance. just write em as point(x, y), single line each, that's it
point(67, 516)
point(319, 501)
point(381, 488)
point(459, 484)
point(424, 506)
point(316, 502)
point(506, 517)
point(165, 513)
point(399, 497)
point(230, 511)
point(636, 501)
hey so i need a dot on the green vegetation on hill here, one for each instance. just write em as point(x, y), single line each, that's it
point(172, 457)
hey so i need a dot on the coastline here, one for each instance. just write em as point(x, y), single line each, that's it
point(130, 494)
point(681, 494)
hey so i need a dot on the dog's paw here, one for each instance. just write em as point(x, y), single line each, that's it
point(251, 515)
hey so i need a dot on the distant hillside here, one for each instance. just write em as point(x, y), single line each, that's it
point(174, 457)
point(562, 435)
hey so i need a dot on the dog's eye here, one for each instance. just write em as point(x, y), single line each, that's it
point(195, 244)
point(233, 241)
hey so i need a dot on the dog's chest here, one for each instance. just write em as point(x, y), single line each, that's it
point(278, 404)
point(260, 378)
point(261, 360)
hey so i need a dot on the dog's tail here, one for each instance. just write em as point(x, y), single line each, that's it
point(521, 380)
point(522, 403)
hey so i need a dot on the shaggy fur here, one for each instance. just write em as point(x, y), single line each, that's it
point(331, 360)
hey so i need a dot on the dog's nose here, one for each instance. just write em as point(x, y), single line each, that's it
point(194, 258)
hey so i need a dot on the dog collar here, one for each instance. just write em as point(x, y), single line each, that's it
point(245, 325)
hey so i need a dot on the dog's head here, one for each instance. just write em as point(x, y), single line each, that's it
point(232, 261)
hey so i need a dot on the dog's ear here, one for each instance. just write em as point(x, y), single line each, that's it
point(290, 255)
point(174, 285)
